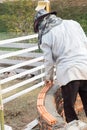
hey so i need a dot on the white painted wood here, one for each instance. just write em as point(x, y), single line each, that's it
point(27, 54)
point(6, 100)
point(31, 125)
point(10, 62)
point(24, 53)
point(2, 42)
point(15, 53)
point(7, 127)
point(17, 65)
point(21, 64)
point(21, 74)
point(10, 88)
point(18, 45)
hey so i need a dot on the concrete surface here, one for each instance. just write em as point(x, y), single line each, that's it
point(76, 125)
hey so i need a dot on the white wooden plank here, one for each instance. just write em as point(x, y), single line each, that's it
point(2, 42)
point(6, 100)
point(14, 62)
point(15, 53)
point(7, 127)
point(18, 45)
point(21, 64)
point(31, 125)
point(25, 55)
point(21, 74)
point(22, 83)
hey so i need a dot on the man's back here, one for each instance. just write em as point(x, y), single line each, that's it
point(69, 49)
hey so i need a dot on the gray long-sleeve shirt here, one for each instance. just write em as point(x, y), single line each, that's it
point(65, 46)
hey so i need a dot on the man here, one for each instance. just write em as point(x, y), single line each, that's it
point(64, 44)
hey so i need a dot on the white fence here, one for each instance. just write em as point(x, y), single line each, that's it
point(21, 62)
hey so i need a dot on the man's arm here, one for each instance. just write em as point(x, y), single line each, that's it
point(48, 58)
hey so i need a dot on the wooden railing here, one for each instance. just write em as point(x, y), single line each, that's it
point(22, 60)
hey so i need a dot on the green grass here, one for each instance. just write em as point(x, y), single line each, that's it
point(6, 35)
point(76, 13)
point(14, 15)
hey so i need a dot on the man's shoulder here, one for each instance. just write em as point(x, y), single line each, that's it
point(71, 21)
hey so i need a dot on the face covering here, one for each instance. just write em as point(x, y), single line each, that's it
point(46, 25)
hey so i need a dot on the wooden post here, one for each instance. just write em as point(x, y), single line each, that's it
point(43, 4)
point(1, 112)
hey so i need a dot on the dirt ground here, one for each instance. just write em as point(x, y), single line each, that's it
point(21, 111)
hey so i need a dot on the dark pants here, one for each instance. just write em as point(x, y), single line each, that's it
point(69, 93)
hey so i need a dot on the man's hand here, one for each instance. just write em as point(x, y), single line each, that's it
point(48, 82)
